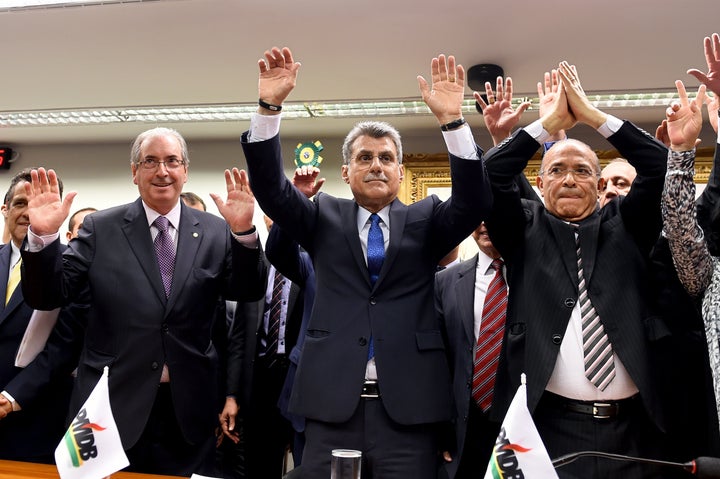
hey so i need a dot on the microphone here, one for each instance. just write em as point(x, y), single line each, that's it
point(702, 467)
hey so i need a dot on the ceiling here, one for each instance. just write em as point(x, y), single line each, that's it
point(170, 52)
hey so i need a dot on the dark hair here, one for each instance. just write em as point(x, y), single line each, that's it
point(71, 222)
point(23, 175)
point(192, 198)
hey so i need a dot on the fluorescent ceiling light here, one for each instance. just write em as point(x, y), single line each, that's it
point(12, 5)
point(291, 110)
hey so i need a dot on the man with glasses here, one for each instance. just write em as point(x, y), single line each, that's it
point(373, 375)
point(151, 273)
point(578, 321)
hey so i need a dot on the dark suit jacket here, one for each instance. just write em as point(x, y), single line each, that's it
point(455, 305)
point(131, 327)
point(708, 207)
point(681, 358)
point(540, 257)
point(296, 265)
point(36, 430)
point(245, 333)
point(398, 309)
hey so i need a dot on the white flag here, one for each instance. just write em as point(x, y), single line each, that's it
point(519, 451)
point(91, 447)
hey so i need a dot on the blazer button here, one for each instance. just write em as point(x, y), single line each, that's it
point(469, 383)
point(570, 302)
point(362, 342)
point(372, 300)
point(154, 366)
point(556, 339)
point(165, 328)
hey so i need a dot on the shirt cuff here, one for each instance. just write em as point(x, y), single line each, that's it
point(263, 127)
point(248, 240)
point(610, 127)
point(461, 143)
point(536, 130)
point(38, 243)
point(15, 405)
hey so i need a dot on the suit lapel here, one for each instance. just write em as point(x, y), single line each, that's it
point(398, 216)
point(465, 294)
point(348, 216)
point(565, 240)
point(137, 233)
point(189, 237)
point(589, 230)
point(4, 273)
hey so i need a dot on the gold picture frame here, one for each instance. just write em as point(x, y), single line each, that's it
point(427, 171)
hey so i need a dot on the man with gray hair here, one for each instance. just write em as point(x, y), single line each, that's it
point(373, 375)
point(151, 273)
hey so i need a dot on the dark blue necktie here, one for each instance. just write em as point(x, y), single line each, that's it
point(375, 258)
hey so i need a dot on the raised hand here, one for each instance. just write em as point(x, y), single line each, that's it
point(547, 94)
point(306, 180)
point(278, 75)
point(498, 113)
point(711, 79)
point(46, 210)
point(684, 118)
point(577, 100)
point(713, 104)
point(445, 96)
point(558, 116)
point(239, 207)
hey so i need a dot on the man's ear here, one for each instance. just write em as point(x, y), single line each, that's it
point(4, 210)
point(602, 184)
point(540, 185)
point(344, 173)
point(402, 171)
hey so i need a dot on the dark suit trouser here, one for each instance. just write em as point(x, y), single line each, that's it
point(631, 433)
point(480, 437)
point(162, 448)
point(389, 450)
point(266, 433)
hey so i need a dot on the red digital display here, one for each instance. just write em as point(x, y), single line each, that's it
point(5, 157)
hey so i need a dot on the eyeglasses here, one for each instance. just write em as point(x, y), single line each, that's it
point(557, 172)
point(171, 164)
point(366, 158)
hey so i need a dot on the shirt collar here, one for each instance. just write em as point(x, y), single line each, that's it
point(363, 216)
point(173, 215)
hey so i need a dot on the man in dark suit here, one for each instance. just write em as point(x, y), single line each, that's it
point(151, 272)
point(33, 432)
point(608, 401)
point(258, 365)
point(460, 294)
point(373, 375)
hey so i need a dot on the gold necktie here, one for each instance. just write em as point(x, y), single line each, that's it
point(13, 281)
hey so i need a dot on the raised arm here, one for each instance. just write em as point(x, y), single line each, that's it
point(445, 95)
point(499, 115)
point(711, 79)
point(685, 237)
point(278, 75)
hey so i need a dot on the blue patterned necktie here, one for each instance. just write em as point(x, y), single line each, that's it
point(165, 251)
point(375, 258)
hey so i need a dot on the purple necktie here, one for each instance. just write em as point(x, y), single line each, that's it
point(165, 251)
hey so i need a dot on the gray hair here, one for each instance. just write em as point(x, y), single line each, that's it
point(155, 132)
point(373, 129)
